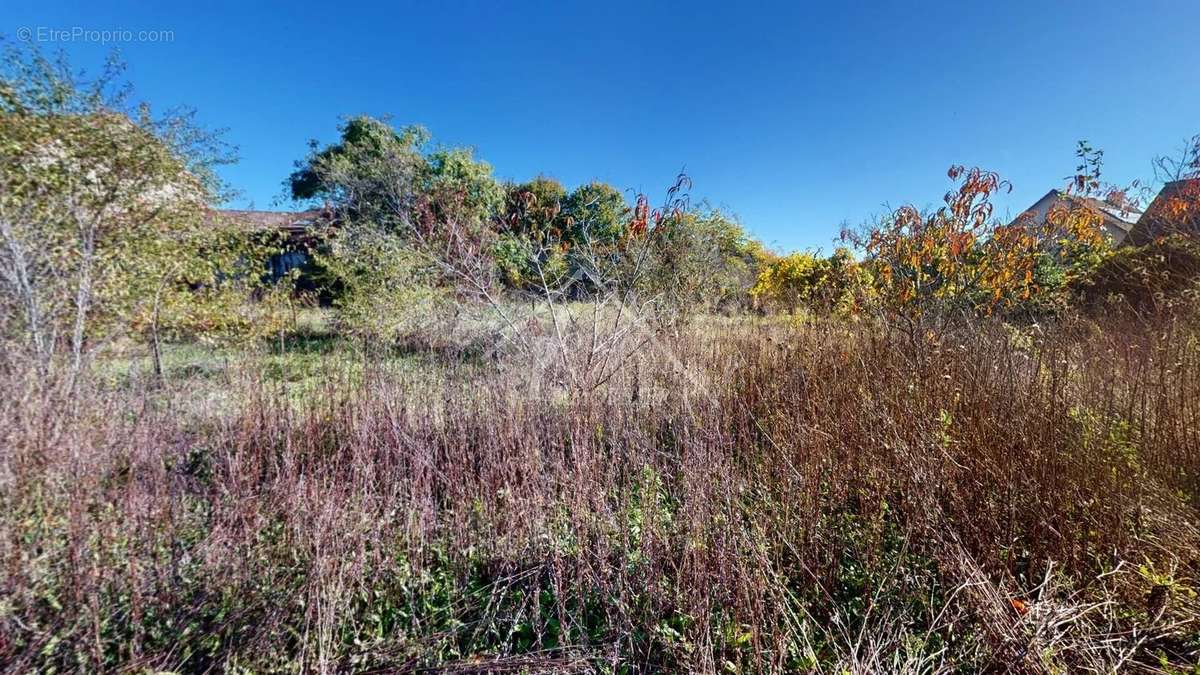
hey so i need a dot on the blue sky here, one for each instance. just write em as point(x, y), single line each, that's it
point(796, 116)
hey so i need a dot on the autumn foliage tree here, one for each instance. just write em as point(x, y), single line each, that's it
point(959, 260)
point(1175, 210)
point(837, 284)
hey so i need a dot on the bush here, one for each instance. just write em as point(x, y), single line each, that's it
point(1163, 275)
point(837, 284)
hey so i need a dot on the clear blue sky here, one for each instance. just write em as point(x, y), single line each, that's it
point(796, 116)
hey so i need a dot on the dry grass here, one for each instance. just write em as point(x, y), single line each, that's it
point(759, 498)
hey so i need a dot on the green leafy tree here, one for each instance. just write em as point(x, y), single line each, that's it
point(370, 170)
point(376, 172)
point(412, 224)
point(101, 215)
point(596, 214)
point(461, 186)
point(703, 260)
point(532, 228)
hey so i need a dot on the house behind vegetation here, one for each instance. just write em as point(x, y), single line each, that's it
point(1116, 225)
point(1175, 210)
point(296, 229)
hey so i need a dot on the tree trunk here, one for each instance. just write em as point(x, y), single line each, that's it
point(156, 350)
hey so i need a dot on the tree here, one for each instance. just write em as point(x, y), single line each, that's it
point(788, 281)
point(453, 178)
point(350, 173)
point(960, 261)
point(534, 210)
point(1071, 245)
point(836, 284)
point(532, 228)
point(414, 227)
point(700, 260)
point(596, 214)
point(100, 213)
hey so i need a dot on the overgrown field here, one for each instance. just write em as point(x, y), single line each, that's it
point(743, 498)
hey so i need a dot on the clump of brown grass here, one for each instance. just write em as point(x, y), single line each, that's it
point(763, 498)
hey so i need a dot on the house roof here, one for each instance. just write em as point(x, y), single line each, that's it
point(1176, 209)
point(1124, 217)
point(1121, 217)
point(293, 222)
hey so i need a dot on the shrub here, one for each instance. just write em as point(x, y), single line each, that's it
point(837, 284)
point(102, 229)
point(959, 262)
point(1163, 275)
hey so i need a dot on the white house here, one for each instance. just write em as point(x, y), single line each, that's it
point(1175, 210)
point(1117, 224)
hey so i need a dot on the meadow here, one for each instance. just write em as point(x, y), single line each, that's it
point(748, 496)
point(440, 421)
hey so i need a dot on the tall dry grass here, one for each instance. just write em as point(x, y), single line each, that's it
point(745, 499)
